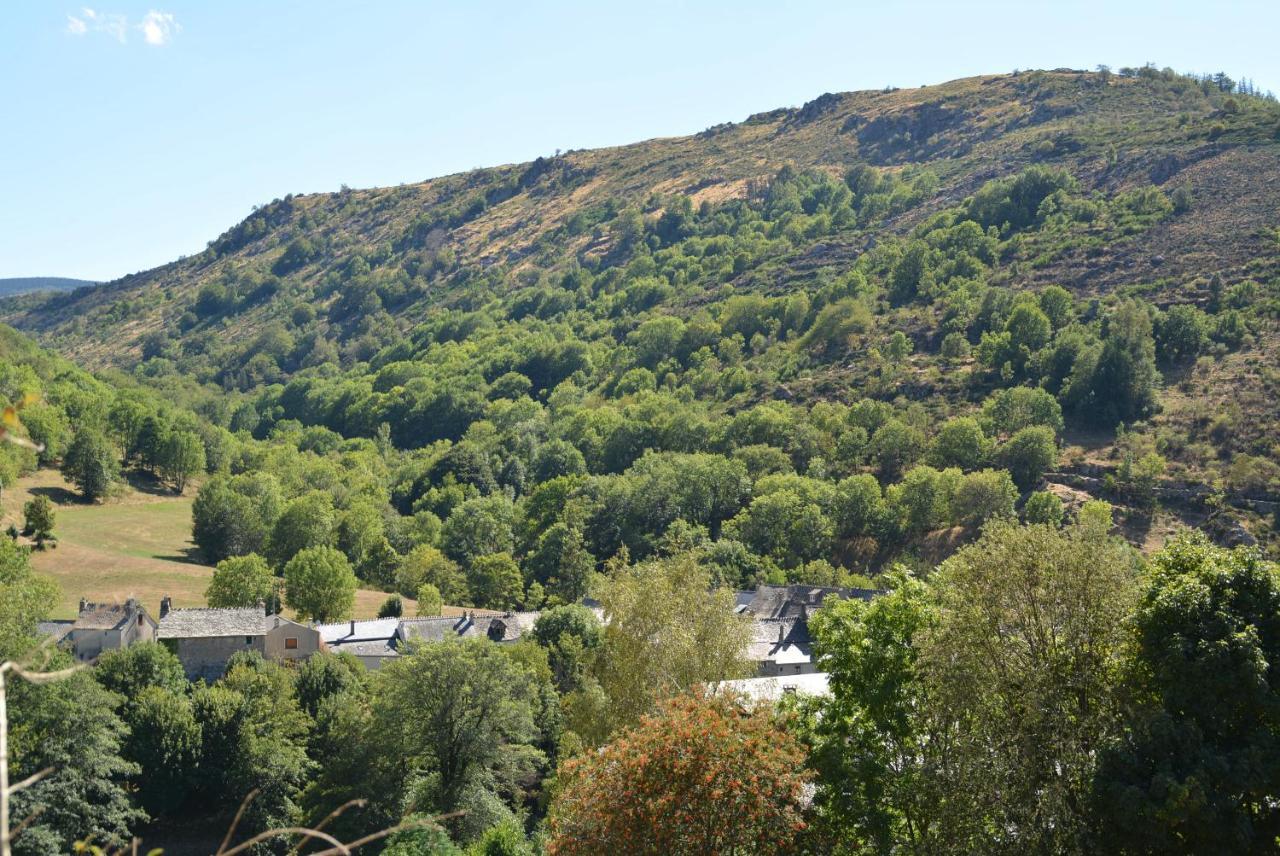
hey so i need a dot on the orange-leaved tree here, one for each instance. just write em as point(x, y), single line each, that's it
point(702, 775)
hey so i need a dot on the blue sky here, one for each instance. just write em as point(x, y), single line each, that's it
point(136, 132)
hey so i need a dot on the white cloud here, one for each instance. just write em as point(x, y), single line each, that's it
point(159, 27)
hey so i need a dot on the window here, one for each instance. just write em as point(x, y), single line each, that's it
point(291, 642)
point(248, 640)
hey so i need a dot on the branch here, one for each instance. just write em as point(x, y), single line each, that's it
point(360, 803)
point(244, 804)
point(338, 846)
point(30, 780)
point(26, 821)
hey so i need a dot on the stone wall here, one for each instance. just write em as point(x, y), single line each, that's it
point(206, 657)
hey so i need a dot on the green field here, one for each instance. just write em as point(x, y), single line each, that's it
point(135, 545)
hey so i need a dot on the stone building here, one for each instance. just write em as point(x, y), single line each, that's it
point(103, 627)
point(780, 643)
point(205, 639)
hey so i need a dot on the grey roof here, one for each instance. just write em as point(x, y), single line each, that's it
point(367, 648)
point(797, 601)
point(780, 640)
point(107, 616)
point(346, 632)
point(499, 627)
point(209, 622)
point(57, 629)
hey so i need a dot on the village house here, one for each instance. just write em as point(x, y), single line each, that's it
point(377, 641)
point(780, 642)
point(205, 639)
point(103, 627)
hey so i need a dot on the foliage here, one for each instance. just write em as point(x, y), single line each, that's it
point(320, 585)
point(1198, 769)
point(242, 581)
point(666, 631)
point(90, 464)
point(696, 776)
point(38, 517)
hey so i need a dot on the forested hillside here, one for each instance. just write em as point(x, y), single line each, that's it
point(949, 347)
point(818, 340)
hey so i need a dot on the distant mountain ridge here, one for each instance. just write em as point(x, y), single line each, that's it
point(26, 284)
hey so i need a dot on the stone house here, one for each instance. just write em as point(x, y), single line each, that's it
point(103, 627)
point(377, 641)
point(780, 643)
point(205, 639)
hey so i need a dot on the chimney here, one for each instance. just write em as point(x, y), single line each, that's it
point(782, 632)
point(84, 604)
point(262, 606)
point(131, 605)
point(166, 605)
point(353, 627)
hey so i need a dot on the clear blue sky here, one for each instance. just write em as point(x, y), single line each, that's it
point(135, 132)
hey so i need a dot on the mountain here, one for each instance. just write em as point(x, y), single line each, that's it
point(1111, 239)
point(25, 284)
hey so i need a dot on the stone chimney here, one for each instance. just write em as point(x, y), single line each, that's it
point(131, 605)
point(166, 605)
point(782, 632)
point(262, 606)
point(353, 627)
point(84, 604)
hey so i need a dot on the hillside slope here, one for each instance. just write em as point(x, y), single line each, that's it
point(25, 284)
point(871, 245)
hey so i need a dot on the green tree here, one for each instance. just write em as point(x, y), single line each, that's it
point(38, 518)
point(665, 632)
point(164, 741)
point(478, 527)
point(90, 464)
point(561, 563)
point(1028, 454)
point(129, 671)
point(894, 447)
point(425, 565)
point(571, 634)
point(25, 599)
point(876, 742)
point(71, 726)
point(960, 442)
point(306, 522)
point(1043, 507)
point(430, 602)
point(242, 581)
point(1198, 767)
point(320, 585)
point(393, 606)
point(1021, 660)
point(495, 581)
point(181, 457)
point(783, 526)
point(253, 735)
point(984, 495)
point(458, 712)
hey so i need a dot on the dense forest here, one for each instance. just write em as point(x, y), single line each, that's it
point(982, 346)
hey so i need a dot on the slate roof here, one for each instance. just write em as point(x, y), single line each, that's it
point(798, 601)
point(57, 629)
point(346, 632)
point(780, 640)
point(211, 623)
point(773, 688)
point(504, 627)
point(105, 616)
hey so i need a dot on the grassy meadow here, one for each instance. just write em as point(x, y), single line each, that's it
point(137, 544)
